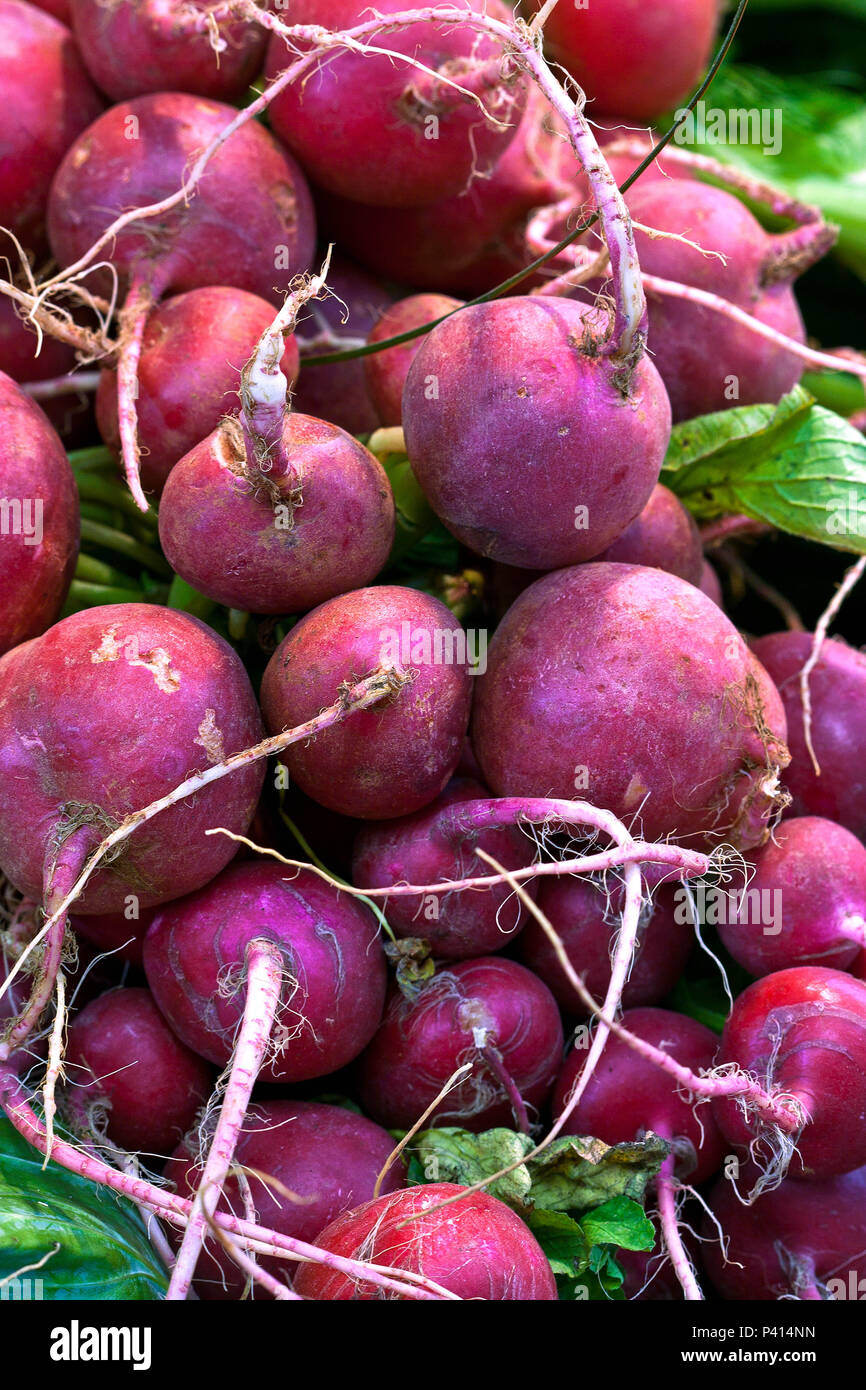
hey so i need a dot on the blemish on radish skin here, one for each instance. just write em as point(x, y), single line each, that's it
point(210, 738)
point(157, 661)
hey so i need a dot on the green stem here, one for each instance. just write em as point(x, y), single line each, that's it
point(106, 490)
point(238, 620)
point(107, 536)
point(83, 594)
point(188, 600)
point(85, 460)
point(98, 572)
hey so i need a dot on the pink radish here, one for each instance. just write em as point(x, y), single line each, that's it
point(664, 536)
point(386, 372)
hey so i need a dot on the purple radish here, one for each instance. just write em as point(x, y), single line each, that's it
point(386, 371)
point(334, 967)
point(391, 760)
point(531, 444)
point(425, 849)
point(664, 536)
point(710, 584)
point(490, 1012)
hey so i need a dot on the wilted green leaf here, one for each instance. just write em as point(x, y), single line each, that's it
point(795, 466)
point(455, 1155)
point(102, 1248)
point(576, 1174)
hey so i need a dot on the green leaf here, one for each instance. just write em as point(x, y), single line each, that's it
point(455, 1155)
point(102, 1250)
point(621, 1222)
point(795, 465)
point(562, 1240)
point(576, 1174)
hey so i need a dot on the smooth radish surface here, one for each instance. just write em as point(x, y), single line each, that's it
point(711, 585)
point(39, 539)
point(110, 709)
point(115, 932)
point(328, 1158)
point(629, 1095)
point(801, 1240)
point(202, 242)
point(415, 849)
point(664, 536)
point(49, 98)
point(837, 691)
point(804, 1031)
point(472, 241)
point(59, 8)
point(334, 981)
point(132, 47)
point(381, 131)
point(195, 347)
point(487, 1002)
point(640, 693)
point(633, 60)
point(386, 372)
point(587, 916)
point(525, 444)
point(476, 1247)
point(120, 1050)
point(338, 392)
point(268, 544)
point(805, 904)
point(707, 361)
point(391, 760)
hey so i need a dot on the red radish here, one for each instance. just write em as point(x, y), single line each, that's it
point(837, 692)
point(110, 709)
point(115, 932)
point(633, 61)
point(69, 412)
point(39, 518)
point(338, 392)
point(707, 361)
point(328, 1158)
point(386, 372)
point(381, 131)
point(59, 8)
point(800, 1240)
point(334, 984)
point(664, 536)
point(387, 761)
point(629, 1095)
point(680, 730)
point(50, 99)
point(474, 240)
point(711, 585)
point(132, 48)
point(193, 350)
point(121, 1051)
point(803, 1031)
point(278, 543)
point(424, 848)
point(488, 1011)
point(587, 916)
point(509, 401)
point(476, 1247)
point(202, 239)
point(805, 903)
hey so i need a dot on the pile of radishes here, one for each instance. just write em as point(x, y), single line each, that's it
point(384, 746)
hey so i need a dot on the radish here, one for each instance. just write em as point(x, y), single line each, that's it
point(45, 84)
point(476, 1247)
point(805, 903)
point(489, 1012)
point(192, 353)
point(628, 1095)
point(801, 1240)
point(115, 932)
point(426, 848)
point(707, 361)
point(333, 967)
point(59, 8)
point(121, 1053)
point(338, 392)
point(837, 695)
point(710, 585)
point(108, 710)
point(39, 518)
point(509, 401)
point(388, 761)
point(803, 1031)
point(382, 131)
point(328, 1158)
point(202, 240)
point(472, 241)
point(664, 536)
point(131, 48)
point(68, 410)
point(633, 61)
point(636, 689)
point(587, 916)
point(386, 372)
